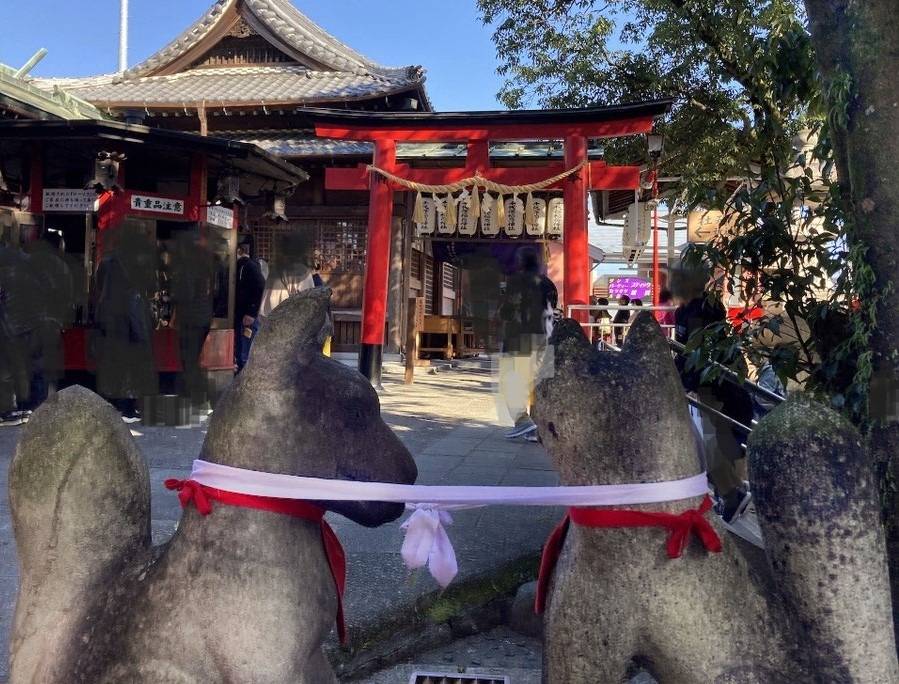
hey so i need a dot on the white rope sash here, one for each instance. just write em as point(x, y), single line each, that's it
point(426, 540)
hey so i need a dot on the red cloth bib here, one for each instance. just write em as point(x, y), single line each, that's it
point(191, 491)
point(679, 528)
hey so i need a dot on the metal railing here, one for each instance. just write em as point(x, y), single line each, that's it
point(616, 328)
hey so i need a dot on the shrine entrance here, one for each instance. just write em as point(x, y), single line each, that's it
point(481, 198)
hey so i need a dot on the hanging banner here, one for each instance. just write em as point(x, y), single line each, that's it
point(160, 205)
point(70, 199)
point(220, 216)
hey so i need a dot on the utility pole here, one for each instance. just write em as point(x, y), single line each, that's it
point(123, 36)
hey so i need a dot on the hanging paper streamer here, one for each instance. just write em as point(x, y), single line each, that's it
point(418, 212)
point(499, 212)
point(450, 214)
point(474, 206)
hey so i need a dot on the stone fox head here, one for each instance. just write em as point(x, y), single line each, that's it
point(296, 412)
point(609, 417)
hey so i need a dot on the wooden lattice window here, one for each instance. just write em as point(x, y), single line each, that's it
point(428, 282)
point(336, 245)
point(242, 51)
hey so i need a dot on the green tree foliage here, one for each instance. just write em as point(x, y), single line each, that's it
point(749, 135)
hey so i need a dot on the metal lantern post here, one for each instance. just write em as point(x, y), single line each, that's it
point(654, 144)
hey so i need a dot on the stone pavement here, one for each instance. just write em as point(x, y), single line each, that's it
point(448, 421)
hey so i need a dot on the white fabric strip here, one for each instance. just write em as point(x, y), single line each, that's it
point(426, 541)
point(243, 481)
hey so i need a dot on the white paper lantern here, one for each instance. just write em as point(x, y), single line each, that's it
point(539, 227)
point(430, 208)
point(514, 217)
point(442, 226)
point(468, 225)
point(488, 227)
point(555, 217)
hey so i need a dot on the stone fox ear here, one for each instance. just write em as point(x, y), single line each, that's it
point(646, 341)
point(301, 323)
point(571, 348)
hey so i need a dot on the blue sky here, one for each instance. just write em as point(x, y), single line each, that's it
point(446, 37)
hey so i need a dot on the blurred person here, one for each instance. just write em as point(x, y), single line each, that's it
point(192, 290)
point(620, 321)
point(666, 318)
point(21, 297)
point(126, 276)
point(721, 440)
point(526, 313)
point(249, 289)
point(57, 308)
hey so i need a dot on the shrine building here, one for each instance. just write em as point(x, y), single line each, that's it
point(261, 72)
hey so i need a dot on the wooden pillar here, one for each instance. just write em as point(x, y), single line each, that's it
point(36, 180)
point(377, 263)
point(196, 211)
point(397, 287)
point(577, 250)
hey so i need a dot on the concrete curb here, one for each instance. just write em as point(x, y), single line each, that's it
point(472, 606)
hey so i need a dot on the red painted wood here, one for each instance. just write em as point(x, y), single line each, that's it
point(577, 250)
point(218, 350)
point(602, 177)
point(478, 156)
point(196, 200)
point(548, 131)
point(377, 261)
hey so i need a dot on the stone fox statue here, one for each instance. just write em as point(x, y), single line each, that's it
point(818, 611)
point(239, 595)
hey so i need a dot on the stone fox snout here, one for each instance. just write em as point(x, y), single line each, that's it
point(294, 411)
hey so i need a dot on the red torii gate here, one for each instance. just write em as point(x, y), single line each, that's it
point(385, 129)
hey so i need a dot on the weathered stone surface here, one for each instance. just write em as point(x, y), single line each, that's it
point(609, 418)
point(616, 600)
point(522, 617)
point(816, 497)
point(80, 500)
point(240, 594)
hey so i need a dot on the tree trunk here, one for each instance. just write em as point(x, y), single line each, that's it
point(861, 40)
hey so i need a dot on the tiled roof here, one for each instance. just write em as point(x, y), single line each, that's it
point(285, 22)
point(55, 103)
point(281, 83)
point(295, 143)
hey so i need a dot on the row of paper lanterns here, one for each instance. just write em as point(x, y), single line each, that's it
point(549, 217)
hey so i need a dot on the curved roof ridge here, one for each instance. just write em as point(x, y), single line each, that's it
point(183, 42)
point(286, 23)
point(316, 41)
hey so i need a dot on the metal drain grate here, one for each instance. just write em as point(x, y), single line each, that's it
point(456, 678)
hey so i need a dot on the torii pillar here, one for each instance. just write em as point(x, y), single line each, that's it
point(576, 287)
point(377, 263)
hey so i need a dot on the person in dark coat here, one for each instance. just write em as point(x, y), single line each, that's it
point(721, 440)
point(192, 291)
point(247, 300)
point(126, 369)
point(526, 312)
point(620, 321)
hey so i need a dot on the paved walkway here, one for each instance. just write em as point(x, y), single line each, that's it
point(448, 422)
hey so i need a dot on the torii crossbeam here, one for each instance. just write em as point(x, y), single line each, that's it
point(385, 129)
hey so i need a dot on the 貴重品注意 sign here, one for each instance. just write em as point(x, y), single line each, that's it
point(69, 199)
point(220, 216)
point(160, 205)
